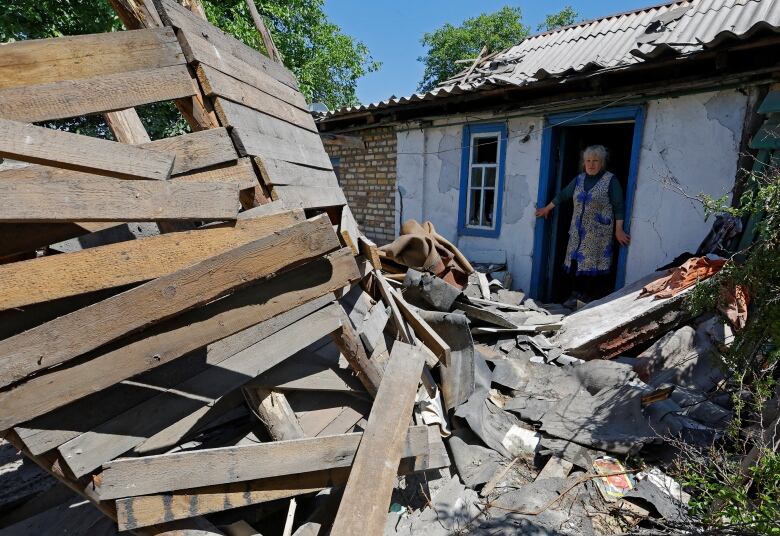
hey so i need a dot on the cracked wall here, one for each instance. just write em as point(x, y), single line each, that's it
point(690, 146)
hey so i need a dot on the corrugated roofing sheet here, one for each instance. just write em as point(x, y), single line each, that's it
point(615, 41)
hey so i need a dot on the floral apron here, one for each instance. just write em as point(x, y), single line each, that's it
point(592, 227)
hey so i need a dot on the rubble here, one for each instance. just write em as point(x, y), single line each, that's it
point(249, 361)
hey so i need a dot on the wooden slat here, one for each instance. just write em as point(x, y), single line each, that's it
point(57, 427)
point(191, 399)
point(364, 505)
point(197, 149)
point(176, 337)
point(216, 83)
point(173, 14)
point(421, 328)
point(127, 126)
point(39, 61)
point(128, 262)
point(106, 200)
point(281, 173)
point(145, 510)
point(71, 98)
point(71, 335)
point(242, 173)
point(348, 342)
point(41, 145)
point(258, 134)
point(308, 196)
point(128, 477)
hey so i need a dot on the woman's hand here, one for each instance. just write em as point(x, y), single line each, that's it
point(545, 211)
point(620, 234)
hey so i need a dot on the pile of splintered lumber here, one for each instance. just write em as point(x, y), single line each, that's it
point(151, 290)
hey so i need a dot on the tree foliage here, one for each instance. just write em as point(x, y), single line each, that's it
point(564, 17)
point(499, 30)
point(326, 61)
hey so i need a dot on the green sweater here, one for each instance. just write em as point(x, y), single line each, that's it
point(615, 193)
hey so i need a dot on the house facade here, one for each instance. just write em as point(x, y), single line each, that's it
point(671, 91)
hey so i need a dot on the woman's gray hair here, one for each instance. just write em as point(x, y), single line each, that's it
point(598, 150)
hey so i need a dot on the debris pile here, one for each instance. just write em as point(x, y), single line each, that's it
point(239, 359)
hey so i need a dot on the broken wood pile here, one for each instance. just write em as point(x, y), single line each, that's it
point(195, 335)
point(151, 288)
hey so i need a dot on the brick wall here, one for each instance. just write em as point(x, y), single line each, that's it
point(367, 177)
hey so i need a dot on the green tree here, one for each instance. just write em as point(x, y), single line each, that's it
point(326, 61)
point(497, 31)
point(564, 17)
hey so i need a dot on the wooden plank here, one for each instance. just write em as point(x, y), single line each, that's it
point(174, 338)
point(191, 400)
point(364, 505)
point(131, 477)
point(424, 332)
point(106, 200)
point(124, 263)
point(173, 14)
point(41, 145)
point(218, 84)
point(71, 98)
point(127, 126)
point(258, 134)
point(268, 42)
point(281, 173)
point(369, 250)
point(242, 173)
point(395, 313)
point(38, 61)
point(309, 196)
point(197, 149)
point(71, 335)
point(133, 512)
point(273, 410)
point(301, 373)
point(348, 342)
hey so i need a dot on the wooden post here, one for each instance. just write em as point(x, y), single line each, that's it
point(274, 411)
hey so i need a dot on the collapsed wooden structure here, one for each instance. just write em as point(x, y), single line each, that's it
point(113, 357)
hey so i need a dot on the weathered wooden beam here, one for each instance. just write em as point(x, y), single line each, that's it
point(196, 150)
point(64, 338)
point(174, 338)
point(281, 173)
point(421, 328)
point(106, 200)
point(127, 126)
point(218, 84)
point(41, 61)
point(124, 263)
point(190, 400)
point(309, 196)
point(131, 477)
point(41, 145)
point(273, 410)
point(364, 505)
point(348, 342)
point(268, 41)
point(140, 511)
point(72, 98)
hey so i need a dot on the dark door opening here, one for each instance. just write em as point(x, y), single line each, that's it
point(568, 144)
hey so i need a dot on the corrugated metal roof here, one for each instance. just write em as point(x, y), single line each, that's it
point(619, 40)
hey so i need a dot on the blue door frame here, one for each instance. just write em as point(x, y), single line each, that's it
point(549, 143)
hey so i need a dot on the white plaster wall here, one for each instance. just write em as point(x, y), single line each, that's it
point(692, 142)
point(694, 138)
point(428, 170)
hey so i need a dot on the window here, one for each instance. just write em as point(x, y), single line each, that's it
point(482, 179)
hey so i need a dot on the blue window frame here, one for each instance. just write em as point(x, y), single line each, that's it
point(482, 179)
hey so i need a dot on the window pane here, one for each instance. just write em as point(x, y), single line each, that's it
point(476, 177)
point(485, 150)
point(487, 215)
point(490, 177)
point(476, 196)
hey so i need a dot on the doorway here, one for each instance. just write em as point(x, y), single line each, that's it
point(566, 135)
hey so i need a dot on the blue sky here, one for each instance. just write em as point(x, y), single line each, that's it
point(392, 30)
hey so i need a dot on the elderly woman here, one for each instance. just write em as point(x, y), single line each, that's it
point(598, 213)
